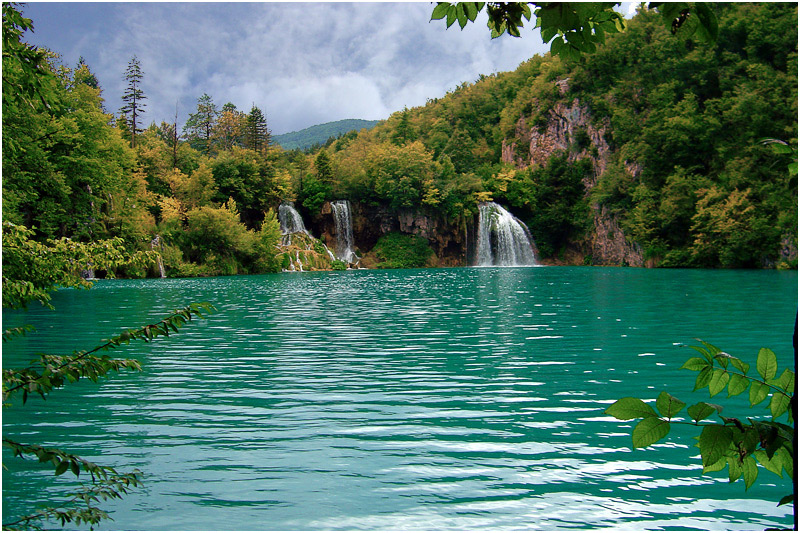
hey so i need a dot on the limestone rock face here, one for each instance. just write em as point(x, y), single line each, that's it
point(447, 239)
point(609, 242)
point(570, 130)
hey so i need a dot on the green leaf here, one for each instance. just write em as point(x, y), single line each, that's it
point(714, 442)
point(750, 471)
point(62, 467)
point(716, 467)
point(719, 379)
point(737, 385)
point(785, 382)
point(451, 16)
point(668, 405)
point(766, 364)
point(704, 353)
point(734, 469)
point(630, 408)
point(709, 28)
point(548, 33)
point(713, 351)
point(471, 9)
point(787, 459)
point(649, 431)
point(758, 392)
point(440, 11)
point(701, 411)
point(779, 404)
point(774, 465)
point(786, 499)
point(461, 15)
point(739, 364)
point(695, 363)
point(703, 378)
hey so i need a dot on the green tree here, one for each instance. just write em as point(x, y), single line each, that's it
point(133, 97)
point(404, 131)
point(257, 135)
point(199, 128)
point(230, 128)
point(84, 75)
point(323, 167)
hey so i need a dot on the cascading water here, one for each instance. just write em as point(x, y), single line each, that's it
point(290, 219)
point(344, 231)
point(156, 243)
point(503, 240)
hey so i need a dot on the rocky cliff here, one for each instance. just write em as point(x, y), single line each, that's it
point(570, 129)
point(447, 239)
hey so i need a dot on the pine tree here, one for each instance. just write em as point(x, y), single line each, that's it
point(324, 169)
point(200, 126)
point(133, 96)
point(257, 136)
point(84, 75)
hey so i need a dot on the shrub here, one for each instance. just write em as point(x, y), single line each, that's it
point(397, 250)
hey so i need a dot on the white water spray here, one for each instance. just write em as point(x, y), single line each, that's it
point(290, 219)
point(344, 231)
point(503, 240)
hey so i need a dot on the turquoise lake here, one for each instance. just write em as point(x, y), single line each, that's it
point(468, 398)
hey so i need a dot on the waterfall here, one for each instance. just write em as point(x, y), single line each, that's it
point(503, 240)
point(344, 231)
point(156, 243)
point(290, 219)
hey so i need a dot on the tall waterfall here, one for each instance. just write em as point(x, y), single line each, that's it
point(290, 219)
point(344, 231)
point(503, 240)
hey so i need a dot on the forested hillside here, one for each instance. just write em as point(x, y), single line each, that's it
point(317, 136)
point(646, 152)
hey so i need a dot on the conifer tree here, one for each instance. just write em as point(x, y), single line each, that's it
point(133, 96)
point(84, 75)
point(200, 126)
point(257, 136)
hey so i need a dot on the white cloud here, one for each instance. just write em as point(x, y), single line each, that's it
point(303, 64)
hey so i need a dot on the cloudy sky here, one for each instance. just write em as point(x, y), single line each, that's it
point(301, 63)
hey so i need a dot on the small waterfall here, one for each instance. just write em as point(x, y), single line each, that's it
point(344, 231)
point(290, 219)
point(156, 243)
point(503, 240)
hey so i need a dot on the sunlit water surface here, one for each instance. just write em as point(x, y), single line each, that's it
point(422, 399)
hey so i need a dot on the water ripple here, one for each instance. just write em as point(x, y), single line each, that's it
point(430, 399)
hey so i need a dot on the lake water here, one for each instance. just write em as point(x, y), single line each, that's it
point(420, 399)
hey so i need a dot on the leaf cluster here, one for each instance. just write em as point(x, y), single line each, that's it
point(53, 371)
point(31, 269)
point(574, 27)
point(106, 484)
point(689, 19)
point(27, 61)
point(736, 443)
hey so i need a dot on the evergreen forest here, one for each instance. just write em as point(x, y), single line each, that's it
point(686, 150)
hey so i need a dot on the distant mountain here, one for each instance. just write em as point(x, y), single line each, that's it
point(319, 134)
